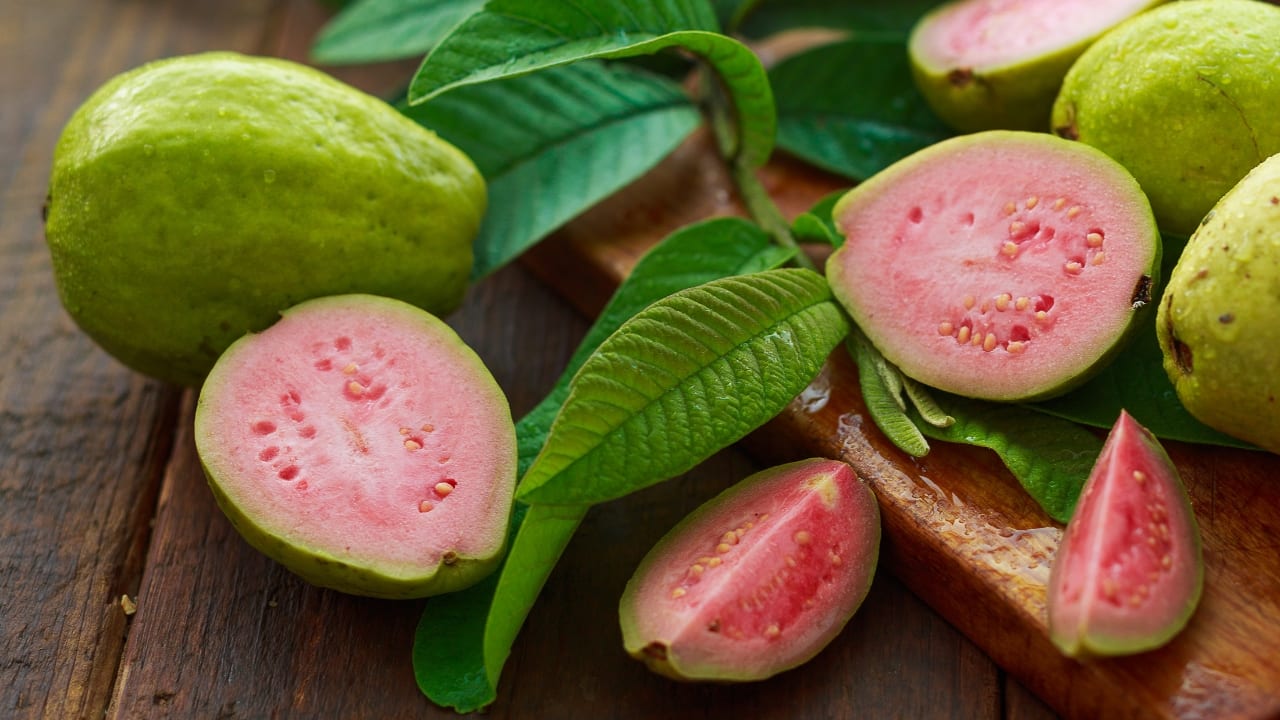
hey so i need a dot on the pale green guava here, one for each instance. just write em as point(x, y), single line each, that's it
point(1185, 96)
point(193, 198)
point(1219, 319)
point(998, 64)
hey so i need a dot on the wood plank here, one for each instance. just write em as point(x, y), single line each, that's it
point(962, 533)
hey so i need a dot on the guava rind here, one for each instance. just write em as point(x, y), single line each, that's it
point(1218, 323)
point(912, 254)
point(1134, 519)
point(1169, 95)
point(193, 198)
point(1014, 92)
point(793, 594)
point(339, 498)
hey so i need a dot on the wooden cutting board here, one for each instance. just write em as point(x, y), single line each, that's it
point(959, 531)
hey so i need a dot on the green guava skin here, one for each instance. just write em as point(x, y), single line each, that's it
point(1218, 323)
point(193, 198)
point(1185, 97)
point(1012, 96)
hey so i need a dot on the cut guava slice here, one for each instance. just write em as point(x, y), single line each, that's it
point(1128, 573)
point(1002, 265)
point(359, 442)
point(757, 580)
point(998, 64)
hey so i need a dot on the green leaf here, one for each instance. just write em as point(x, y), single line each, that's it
point(379, 30)
point(1049, 456)
point(687, 376)
point(852, 108)
point(691, 256)
point(865, 17)
point(515, 37)
point(553, 144)
point(883, 402)
point(1136, 381)
point(817, 224)
point(464, 638)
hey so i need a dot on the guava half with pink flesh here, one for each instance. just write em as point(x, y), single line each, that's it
point(1002, 265)
point(1128, 573)
point(359, 442)
point(757, 580)
point(998, 64)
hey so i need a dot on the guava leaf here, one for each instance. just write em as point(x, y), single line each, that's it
point(864, 17)
point(515, 37)
point(379, 30)
point(817, 225)
point(688, 375)
point(1136, 381)
point(884, 404)
point(464, 638)
point(693, 255)
point(852, 108)
point(1049, 456)
point(552, 144)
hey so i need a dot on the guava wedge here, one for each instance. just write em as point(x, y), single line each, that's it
point(1185, 97)
point(1218, 322)
point(360, 443)
point(194, 198)
point(998, 64)
point(1002, 265)
point(1128, 573)
point(758, 579)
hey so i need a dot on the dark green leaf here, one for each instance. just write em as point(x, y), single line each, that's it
point(1049, 456)
point(687, 376)
point(852, 108)
point(817, 225)
point(514, 37)
point(464, 638)
point(865, 17)
point(553, 144)
point(379, 30)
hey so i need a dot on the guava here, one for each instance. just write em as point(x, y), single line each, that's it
point(1219, 318)
point(1185, 97)
point(1128, 573)
point(194, 198)
point(998, 64)
point(360, 443)
point(758, 579)
point(1003, 265)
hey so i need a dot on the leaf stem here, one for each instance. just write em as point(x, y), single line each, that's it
point(760, 206)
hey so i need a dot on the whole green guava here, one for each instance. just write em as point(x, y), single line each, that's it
point(1219, 319)
point(1185, 96)
point(194, 198)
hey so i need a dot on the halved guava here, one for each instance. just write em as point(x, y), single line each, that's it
point(757, 580)
point(1128, 573)
point(1002, 265)
point(359, 442)
point(998, 64)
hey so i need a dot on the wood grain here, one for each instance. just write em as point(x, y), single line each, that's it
point(962, 534)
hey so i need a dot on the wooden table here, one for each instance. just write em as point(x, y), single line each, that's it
point(101, 496)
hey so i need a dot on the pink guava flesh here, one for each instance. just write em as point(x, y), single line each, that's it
point(1128, 573)
point(1003, 265)
point(363, 431)
point(759, 579)
point(978, 35)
